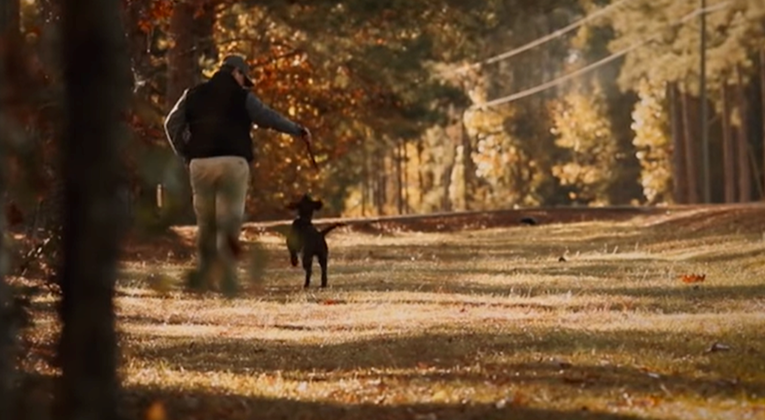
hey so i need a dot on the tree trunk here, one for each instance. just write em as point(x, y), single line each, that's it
point(9, 18)
point(97, 78)
point(745, 171)
point(139, 43)
point(446, 176)
point(468, 166)
point(679, 174)
point(762, 101)
point(453, 132)
point(399, 176)
point(9, 34)
point(181, 63)
point(205, 47)
point(382, 181)
point(729, 149)
point(406, 178)
point(689, 147)
point(365, 182)
point(182, 70)
point(420, 177)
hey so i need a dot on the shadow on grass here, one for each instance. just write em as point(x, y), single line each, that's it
point(196, 404)
point(135, 401)
point(674, 297)
point(518, 358)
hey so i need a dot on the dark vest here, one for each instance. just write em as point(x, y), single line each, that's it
point(218, 120)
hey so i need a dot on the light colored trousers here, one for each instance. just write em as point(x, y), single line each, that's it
point(219, 186)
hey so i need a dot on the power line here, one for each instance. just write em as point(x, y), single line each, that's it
point(558, 33)
point(597, 64)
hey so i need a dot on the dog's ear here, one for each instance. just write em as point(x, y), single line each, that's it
point(318, 204)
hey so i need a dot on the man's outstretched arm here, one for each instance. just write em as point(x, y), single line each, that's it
point(266, 117)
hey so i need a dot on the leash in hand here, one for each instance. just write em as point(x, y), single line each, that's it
point(306, 136)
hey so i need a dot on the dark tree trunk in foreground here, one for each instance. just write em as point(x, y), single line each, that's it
point(9, 32)
point(729, 150)
point(97, 80)
point(762, 117)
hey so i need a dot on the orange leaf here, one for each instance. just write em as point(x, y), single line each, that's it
point(693, 278)
point(156, 411)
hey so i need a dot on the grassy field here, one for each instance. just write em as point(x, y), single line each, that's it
point(577, 320)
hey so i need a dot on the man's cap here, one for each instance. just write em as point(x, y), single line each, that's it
point(238, 62)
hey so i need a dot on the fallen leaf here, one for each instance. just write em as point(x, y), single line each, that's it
point(693, 278)
point(440, 396)
point(156, 411)
point(520, 399)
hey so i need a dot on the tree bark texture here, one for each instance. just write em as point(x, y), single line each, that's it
point(181, 63)
point(399, 158)
point(98, 78)
point(689, 146)
point(762, 117)
point(9, 33)
point(679, 180)
point(469, 168)
point(745, 170)
point(729, 150)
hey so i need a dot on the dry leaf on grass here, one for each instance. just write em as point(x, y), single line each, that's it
point(156, 411)
point(693, 278)
point(332, 302)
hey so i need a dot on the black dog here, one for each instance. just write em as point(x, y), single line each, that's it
point(305, 239)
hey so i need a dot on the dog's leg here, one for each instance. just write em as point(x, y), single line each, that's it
point(293, 246)
point(323, 264)
point(307, 261)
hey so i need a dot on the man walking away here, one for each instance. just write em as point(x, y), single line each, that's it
point(209, 127)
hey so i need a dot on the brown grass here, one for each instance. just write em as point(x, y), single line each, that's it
point(471, 324)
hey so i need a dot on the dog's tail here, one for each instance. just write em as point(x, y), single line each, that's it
point(330, 228)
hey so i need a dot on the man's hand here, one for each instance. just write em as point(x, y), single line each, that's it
point(305, 134)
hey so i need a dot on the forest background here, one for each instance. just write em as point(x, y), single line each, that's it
point(430, 106)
